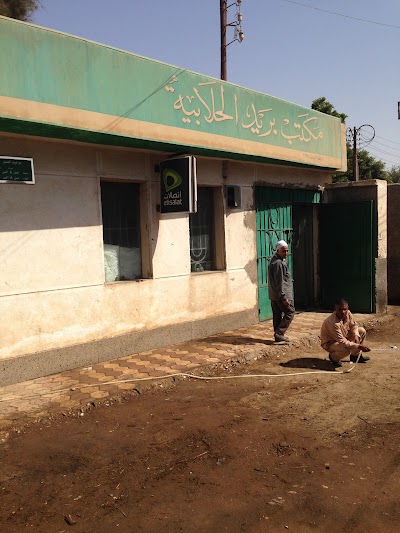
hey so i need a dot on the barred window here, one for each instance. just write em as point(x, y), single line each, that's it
point(202, 232)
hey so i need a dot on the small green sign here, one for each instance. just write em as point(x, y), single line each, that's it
point(178, 185)
point(16, 170)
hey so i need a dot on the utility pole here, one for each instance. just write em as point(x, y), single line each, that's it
point(237, 25)
point(355, 160)
point(223, 8)
point(352, 136)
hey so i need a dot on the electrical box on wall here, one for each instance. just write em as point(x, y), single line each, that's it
point(233, 196)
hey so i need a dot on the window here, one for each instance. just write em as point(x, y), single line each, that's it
point(202, 232)
point(120, 204)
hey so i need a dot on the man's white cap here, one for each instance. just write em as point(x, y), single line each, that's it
point(281, 244)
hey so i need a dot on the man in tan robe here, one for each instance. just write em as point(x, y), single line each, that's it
point(341, 336)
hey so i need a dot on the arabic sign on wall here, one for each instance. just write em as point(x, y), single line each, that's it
point(178, 185)
point(120, 93)
point(212, 103)
point(16, 170)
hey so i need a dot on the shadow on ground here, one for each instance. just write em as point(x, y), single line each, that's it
point(309, 362)
point(236, 340)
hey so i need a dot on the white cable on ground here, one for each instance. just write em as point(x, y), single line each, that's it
point(191, 376)
point(204, 378)
point(209, 378)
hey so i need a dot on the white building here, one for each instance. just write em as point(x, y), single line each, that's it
point(90, 267)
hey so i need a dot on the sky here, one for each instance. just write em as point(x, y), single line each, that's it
point(291, 50)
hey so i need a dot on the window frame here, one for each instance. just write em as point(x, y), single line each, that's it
point(218, 231)
point(144, 200)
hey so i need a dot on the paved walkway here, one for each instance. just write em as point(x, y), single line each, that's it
point(77, 388)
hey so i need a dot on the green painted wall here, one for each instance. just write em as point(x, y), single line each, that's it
point(42, 65)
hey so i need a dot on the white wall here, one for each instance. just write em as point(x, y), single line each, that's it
point(52, 291)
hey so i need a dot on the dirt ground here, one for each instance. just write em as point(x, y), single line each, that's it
point(317, 452)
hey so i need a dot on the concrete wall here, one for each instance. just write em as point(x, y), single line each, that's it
point(393, 243)
point(54, 303)
point(360, 191)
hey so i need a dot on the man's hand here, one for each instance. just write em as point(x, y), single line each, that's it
point(286, 302)
point(364, 348)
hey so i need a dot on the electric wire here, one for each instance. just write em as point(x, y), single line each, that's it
point(388, 140)
point(384, 145)
point(371, 147)
point(363, 138)
point(204, 378)
point(384, 152)
point(384, 160)
point(193, 376)
point(383, 138)
point(343, 15)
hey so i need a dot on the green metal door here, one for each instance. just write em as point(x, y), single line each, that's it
point(274, 222)
point(347, 254)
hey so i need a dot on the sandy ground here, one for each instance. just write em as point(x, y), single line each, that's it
point(317, 452)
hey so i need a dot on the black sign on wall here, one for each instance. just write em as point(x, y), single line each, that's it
point(16, 170)
point(178, 185)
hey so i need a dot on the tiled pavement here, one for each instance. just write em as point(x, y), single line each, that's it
point(77, 388)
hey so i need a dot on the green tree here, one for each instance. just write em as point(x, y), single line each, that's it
point(18, 9)
point(394, 174)
point(321, 104)
point(368, 166)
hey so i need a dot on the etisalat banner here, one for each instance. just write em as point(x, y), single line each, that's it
point(178, 185)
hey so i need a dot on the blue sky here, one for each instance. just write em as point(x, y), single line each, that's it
point(290, 51)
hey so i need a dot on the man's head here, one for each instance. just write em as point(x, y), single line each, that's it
point(341, 308)
point(282, 249)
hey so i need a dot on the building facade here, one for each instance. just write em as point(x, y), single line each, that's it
point(92, 269)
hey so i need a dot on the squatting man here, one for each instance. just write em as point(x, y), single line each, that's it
point(280, 292)
point(341, 336)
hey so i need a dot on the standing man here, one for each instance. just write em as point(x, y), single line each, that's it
point(280, 292)
point(341, 336)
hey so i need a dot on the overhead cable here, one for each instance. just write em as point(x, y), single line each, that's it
point(388, 140)
point(384, 160)
point(384, 152)
point(343, 15)
point(384, 145)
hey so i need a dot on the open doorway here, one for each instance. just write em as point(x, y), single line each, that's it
point(291, 215)
point(303, 255)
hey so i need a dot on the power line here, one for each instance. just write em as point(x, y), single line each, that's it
point(384, 152)
point(388, 162)
point(374, 149)
point(394, 163)
point(385, 161)
point(384, 145)
point(388, 140)
point(342, 15)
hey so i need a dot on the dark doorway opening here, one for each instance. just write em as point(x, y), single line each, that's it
point(303, 256)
